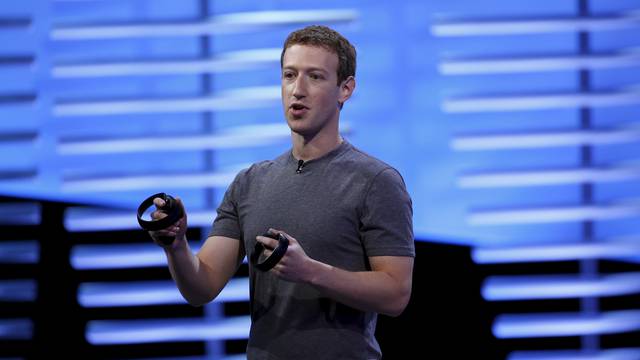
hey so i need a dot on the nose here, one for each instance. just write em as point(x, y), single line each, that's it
point(299, 88)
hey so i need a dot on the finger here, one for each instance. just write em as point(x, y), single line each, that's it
point(158, 202)
point(291, 239)
point(158, 214)
point(171, 231)
point(267, 242)
point(278, 269)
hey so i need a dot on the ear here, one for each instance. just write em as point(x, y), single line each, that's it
point(346, 89)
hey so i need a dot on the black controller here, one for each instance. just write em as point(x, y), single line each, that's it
point(277, 254)
point(171, 208)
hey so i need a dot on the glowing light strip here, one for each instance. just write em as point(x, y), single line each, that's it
point(111, 332)
point(120, 256)
point(501, 288)
point(539, 102)
point(87, 219)
point(19, 252)
point(246, 136)
point(143, 293)
point(16, 329)
point(537, 64)
point(547, 177)
point(126, 183)
point(543, 215)
point(565, 324)
point(543, 139)
point(221, 24)
point(534, 26)
point(557, 252)
point(611, 354)
point(238, 137)
point(18, 290)
point(235, 61)
point(241, 99)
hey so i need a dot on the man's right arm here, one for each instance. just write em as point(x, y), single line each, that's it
point(201, 277)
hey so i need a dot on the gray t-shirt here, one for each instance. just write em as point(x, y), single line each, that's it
point(342, 208)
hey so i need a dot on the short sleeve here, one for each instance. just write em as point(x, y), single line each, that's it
point(387, 217)
point(227, 221)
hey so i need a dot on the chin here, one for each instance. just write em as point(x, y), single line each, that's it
point(301, 129)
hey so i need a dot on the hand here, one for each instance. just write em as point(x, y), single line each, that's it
point(295, 265)
point(177, 230)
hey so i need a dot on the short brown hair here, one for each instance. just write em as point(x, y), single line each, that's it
point(318, 35)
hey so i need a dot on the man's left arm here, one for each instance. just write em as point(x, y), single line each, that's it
point(384, 289)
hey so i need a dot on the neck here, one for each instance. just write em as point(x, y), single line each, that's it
point(309, 148)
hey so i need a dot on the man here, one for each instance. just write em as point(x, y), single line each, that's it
point(347, 217)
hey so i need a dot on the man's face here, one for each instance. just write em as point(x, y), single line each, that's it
point(310, 94)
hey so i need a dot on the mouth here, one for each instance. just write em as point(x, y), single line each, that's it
point(298, 110)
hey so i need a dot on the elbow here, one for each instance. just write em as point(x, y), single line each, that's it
point(399, 304)
point(199, 300)
point(196, 303)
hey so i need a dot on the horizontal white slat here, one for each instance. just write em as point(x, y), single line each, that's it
point(126, 183)
point(220, 24)
point(539, 102)
point(90, 219)
point(565, 324)
point(23, 290)
point(506, 65)
point(240, 99)
point(556, 214)
point(232, 61)
point(238, 137)
point(144, 293)
point(609, 354)
point(474, 142)
point(547, 177)
point(120, 256)
point(111, 332)
point(242, 136)
point(535, 26)
point(557, 252)
point(19, 252)
point(530, 287)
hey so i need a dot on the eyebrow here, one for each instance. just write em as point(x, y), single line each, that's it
point(309, 69)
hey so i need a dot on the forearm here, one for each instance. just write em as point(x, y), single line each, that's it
point(192, 277)
point(375, 291)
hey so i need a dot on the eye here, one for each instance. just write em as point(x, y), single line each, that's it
point(315, 76)
point(288, 75)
